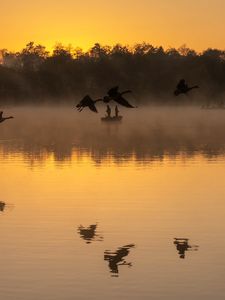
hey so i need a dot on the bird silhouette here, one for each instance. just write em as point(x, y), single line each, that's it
point(183, 88)
point(87, 101)
point(2, 119)
point(115, 95)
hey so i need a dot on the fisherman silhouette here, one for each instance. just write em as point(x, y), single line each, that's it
point(116, 112)
point(182, 246)
point(116, 258)
point(109, 117)
point(108, 111)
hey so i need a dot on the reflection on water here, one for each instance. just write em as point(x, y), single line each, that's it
point(157, 175)
point(2, 206)
point(182, 245)
point(145, 135)
point(89, 233)
point(116, 259)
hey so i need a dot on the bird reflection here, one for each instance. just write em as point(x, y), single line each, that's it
point(2, 206)
point(89, 233)
point(116, 259)
point(182, 245)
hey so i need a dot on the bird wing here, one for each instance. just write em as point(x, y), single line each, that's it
point(84, 101)
point(113, 91)
point(126, 92)
point(122, 101)
point(181, 85)
point(93, 107)
point(177, 92)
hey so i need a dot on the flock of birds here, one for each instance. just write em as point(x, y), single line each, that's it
point(114, 95)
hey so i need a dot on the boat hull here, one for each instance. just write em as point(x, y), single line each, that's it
point(112, 119)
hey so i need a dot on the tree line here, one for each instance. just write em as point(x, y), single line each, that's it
point(34, 75)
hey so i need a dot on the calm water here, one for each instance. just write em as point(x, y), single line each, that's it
point(90, 211)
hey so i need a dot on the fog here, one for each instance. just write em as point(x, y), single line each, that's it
point(145, 134)
point(35, 76)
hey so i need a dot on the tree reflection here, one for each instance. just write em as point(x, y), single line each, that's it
point(146, 137)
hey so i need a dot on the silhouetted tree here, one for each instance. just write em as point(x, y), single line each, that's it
point(33, 74)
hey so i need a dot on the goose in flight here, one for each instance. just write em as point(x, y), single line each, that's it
point(114, 94)
point(183, 88)
point(2, 119)
point(87, 101)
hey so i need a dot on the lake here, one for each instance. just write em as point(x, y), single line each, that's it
point(112, 211)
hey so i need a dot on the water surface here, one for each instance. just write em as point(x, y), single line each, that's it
point(90, 211)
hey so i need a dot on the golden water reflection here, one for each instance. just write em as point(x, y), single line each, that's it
point(116, 259)
point(77, 189)
point(146, 135)
point(182, 246)
point(89, 234)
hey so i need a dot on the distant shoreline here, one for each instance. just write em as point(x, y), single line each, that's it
point(33, 75)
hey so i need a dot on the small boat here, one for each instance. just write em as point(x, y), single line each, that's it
point(112, 119)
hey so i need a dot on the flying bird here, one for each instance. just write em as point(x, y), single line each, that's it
point(183, 88)
point(87, 101)
point(2, 119)
point(114, 94)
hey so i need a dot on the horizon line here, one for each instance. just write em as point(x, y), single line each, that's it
point(129, 46)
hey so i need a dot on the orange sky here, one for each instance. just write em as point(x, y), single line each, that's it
point(198, 24)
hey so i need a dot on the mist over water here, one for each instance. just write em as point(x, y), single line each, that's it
point(132, 210)
point(145, 134)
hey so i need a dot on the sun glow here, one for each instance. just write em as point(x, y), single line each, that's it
point(199, 25)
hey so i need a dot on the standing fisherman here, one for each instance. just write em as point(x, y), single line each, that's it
point(108, 111)
point(117, 111)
